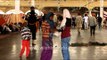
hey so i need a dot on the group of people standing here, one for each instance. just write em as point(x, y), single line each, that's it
point(88, 22)
point(48, 27)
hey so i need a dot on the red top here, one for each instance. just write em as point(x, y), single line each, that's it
point(66, 32)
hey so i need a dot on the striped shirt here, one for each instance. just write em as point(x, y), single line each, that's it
point(45, 29)
point(26, 34)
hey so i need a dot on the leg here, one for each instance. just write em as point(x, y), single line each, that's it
point(33, 31)
point(78, 31)
point(99, 25)
point(87, 25)
point(50, 38)
point(65, 48)
point(47, 51)
point(23, 48)
point(90, 30)
point(34, 34)
point(94, 30)
point(27, 48)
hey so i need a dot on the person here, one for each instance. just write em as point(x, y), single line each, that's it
point(65, 35)
point(73, 22)
point(105, 23)
point(92, 24)
point(26, 36)
point(31, 17)
point(47, 34)
point(99, 20)
point(79, 22)
point(86, 21)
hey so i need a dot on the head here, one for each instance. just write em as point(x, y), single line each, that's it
point(85, 14)
point(32, 10)
point(49, 16)
point(79, 13)
point(24, 24)
point(66, 13)
point(93, 14)
point(66, 16)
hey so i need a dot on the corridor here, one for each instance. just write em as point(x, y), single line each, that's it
point(10, 45)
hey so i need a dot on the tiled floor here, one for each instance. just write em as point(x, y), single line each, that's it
point(10, 46)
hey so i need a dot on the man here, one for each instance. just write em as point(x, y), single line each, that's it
point(32, 18)
point(79, 22)
point(86, 21)
point(92, 24)
point(99, 20)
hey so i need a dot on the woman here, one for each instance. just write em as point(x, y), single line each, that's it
point(65, 35)
point(47, 34)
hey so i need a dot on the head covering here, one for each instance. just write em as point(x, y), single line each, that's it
point(49, 15)
point(51, 22)
point(66, 14)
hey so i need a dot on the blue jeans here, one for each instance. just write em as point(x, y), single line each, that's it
point(65, 48)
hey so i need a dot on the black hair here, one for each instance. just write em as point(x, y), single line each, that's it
point(79, 13)
point(68, 22)
point(60, 18)
point(85, 14)
point(32, 7)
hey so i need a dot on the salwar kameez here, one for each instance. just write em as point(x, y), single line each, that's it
point(47, 50)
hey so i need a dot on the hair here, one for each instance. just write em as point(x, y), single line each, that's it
point(79, 13)
point(85, 14)
point(32, 7)
point(24, 24)
point(68, 22)
point(52, 14)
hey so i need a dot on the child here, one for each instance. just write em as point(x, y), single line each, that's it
point(26, 36)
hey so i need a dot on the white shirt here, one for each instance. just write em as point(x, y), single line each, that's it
point(86, 19)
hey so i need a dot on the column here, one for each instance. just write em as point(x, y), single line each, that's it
point(17, 10)
point(32, 2)
point(90, 10)
point(58, 7)
point(17, 4)
point(101, 7)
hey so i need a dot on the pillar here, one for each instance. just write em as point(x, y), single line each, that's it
point(17, 10)
point(101, 7)
point(17, 4)
point(33, 3)
point(90, 10)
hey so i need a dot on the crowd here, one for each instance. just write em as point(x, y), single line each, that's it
point(49, 24)
point(12, 27)
point(52, 22)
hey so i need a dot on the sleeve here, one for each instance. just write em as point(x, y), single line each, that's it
point(95, 21)
point(27, 16)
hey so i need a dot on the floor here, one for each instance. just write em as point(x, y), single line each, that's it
point(10, 45)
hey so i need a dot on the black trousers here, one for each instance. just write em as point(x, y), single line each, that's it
point(92, 30)
point(99, 24)
point(33, 31)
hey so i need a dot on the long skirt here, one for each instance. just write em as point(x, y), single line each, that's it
point(47, 50)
